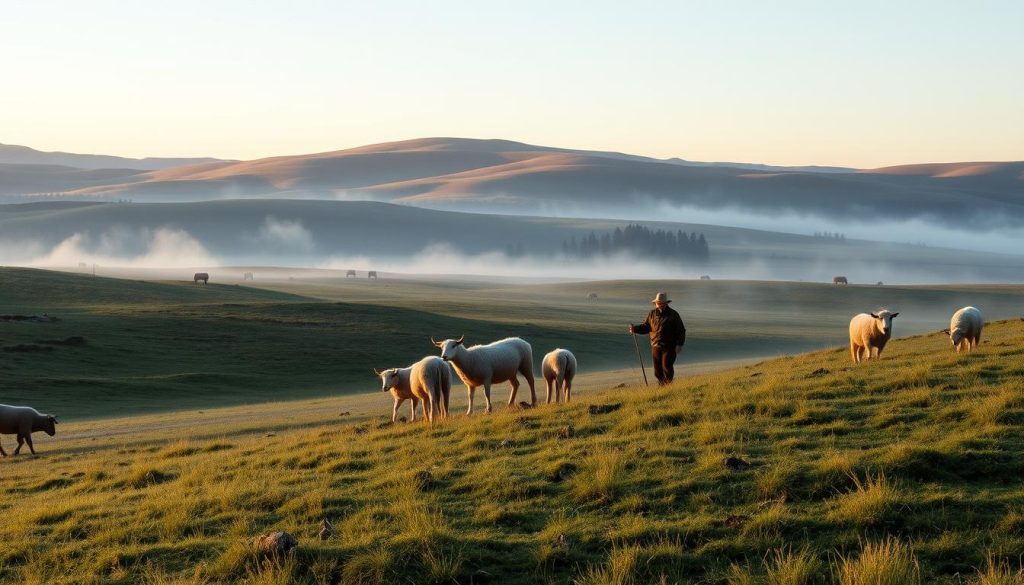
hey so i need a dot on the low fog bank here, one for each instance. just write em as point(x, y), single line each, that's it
point(284, 243)
point(982, 231)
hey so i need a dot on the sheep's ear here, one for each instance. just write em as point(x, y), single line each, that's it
point(893, 316)
point(873, 315)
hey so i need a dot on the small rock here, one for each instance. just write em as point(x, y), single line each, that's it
point(819, 372)
point(604, 408)
point(424, 480)
point(562, 541)
point(736, 463)
point(359, 430)
point(385, 424)
point(562, 473)
point(326, 529)
point(620, 385)
point(736, 521)
point(506, 443)
point(270, 435)
point(402, 419)
point(755, 374)
point(525, 405)
point(345, 413)
point(524, 422)
point(275, 544)
point(566, 432)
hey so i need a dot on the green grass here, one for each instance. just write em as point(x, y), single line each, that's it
point(159, 346)
point(907, 470)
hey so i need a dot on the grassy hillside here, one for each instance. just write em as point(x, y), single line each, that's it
point(907, 469)
point(157, 346)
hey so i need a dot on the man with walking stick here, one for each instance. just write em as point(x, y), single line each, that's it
point(668, 334)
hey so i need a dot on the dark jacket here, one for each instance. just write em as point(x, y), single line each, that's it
point(665, 326)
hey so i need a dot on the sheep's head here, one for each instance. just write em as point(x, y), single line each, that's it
point(450, 348)
point(884, 321)
point(956, 336)
point(51, 425)
point(388, 378)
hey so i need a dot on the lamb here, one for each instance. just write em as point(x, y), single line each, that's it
point(868, 332)
point(23, 421)
point(559, 368)
point(484, 365)
point(965, 328)
point(428, 380)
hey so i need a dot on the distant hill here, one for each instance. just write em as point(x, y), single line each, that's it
point(501, 176)
point(23, 155)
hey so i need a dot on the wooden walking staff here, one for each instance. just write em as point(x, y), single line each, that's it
point(640, 357)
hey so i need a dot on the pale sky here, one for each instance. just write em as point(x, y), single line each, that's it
point(832, 83)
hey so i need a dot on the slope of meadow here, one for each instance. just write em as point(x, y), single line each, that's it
point(907, 469)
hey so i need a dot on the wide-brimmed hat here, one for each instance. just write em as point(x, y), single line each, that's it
point(662, 296)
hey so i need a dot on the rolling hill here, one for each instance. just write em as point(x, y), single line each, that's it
point(499, 176)
point(800, 470)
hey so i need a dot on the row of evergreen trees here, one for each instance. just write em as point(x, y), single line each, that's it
point(642, 242)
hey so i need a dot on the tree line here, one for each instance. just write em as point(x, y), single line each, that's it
point(642, 242)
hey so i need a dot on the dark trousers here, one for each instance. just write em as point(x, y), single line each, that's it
point(664, 362)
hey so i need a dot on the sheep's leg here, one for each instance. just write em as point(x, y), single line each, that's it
point(548, 384)
point(2, 452)
point(415, 403)
point(447, 393)
point(487, 396)
point(526, 369)
point(559, 386)
point(28, 439)
point(470, 390)
point(568, 389)
point(394, 410)
point(854, 353)
point(515, 388)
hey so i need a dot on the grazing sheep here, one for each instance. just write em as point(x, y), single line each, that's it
point(494, 363)
point(592, 296)
point(840, 280)
point(965, 328)
point(705, 277)
point(203, 276)
point(23, 421)
point(879, 283)
point(558, 369)
point(371, 274)
point(428, 380)
point(350, 273)
point(868, 332)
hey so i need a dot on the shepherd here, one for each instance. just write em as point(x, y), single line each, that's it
point(668, 334)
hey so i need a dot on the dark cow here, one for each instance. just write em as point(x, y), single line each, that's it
point(592, 296)
point(200, 276)
point(840, 280)
point(705, 277)
point(371, 274)
point(350, 273)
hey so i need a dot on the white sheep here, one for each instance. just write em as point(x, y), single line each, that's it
point(428, 380)
point(494, 363)
point(965, 328)
point(559, 368)
point(23, 421)
point(869, 332)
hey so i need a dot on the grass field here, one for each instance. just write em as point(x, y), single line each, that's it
point(907, 470)
point(159, 346)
